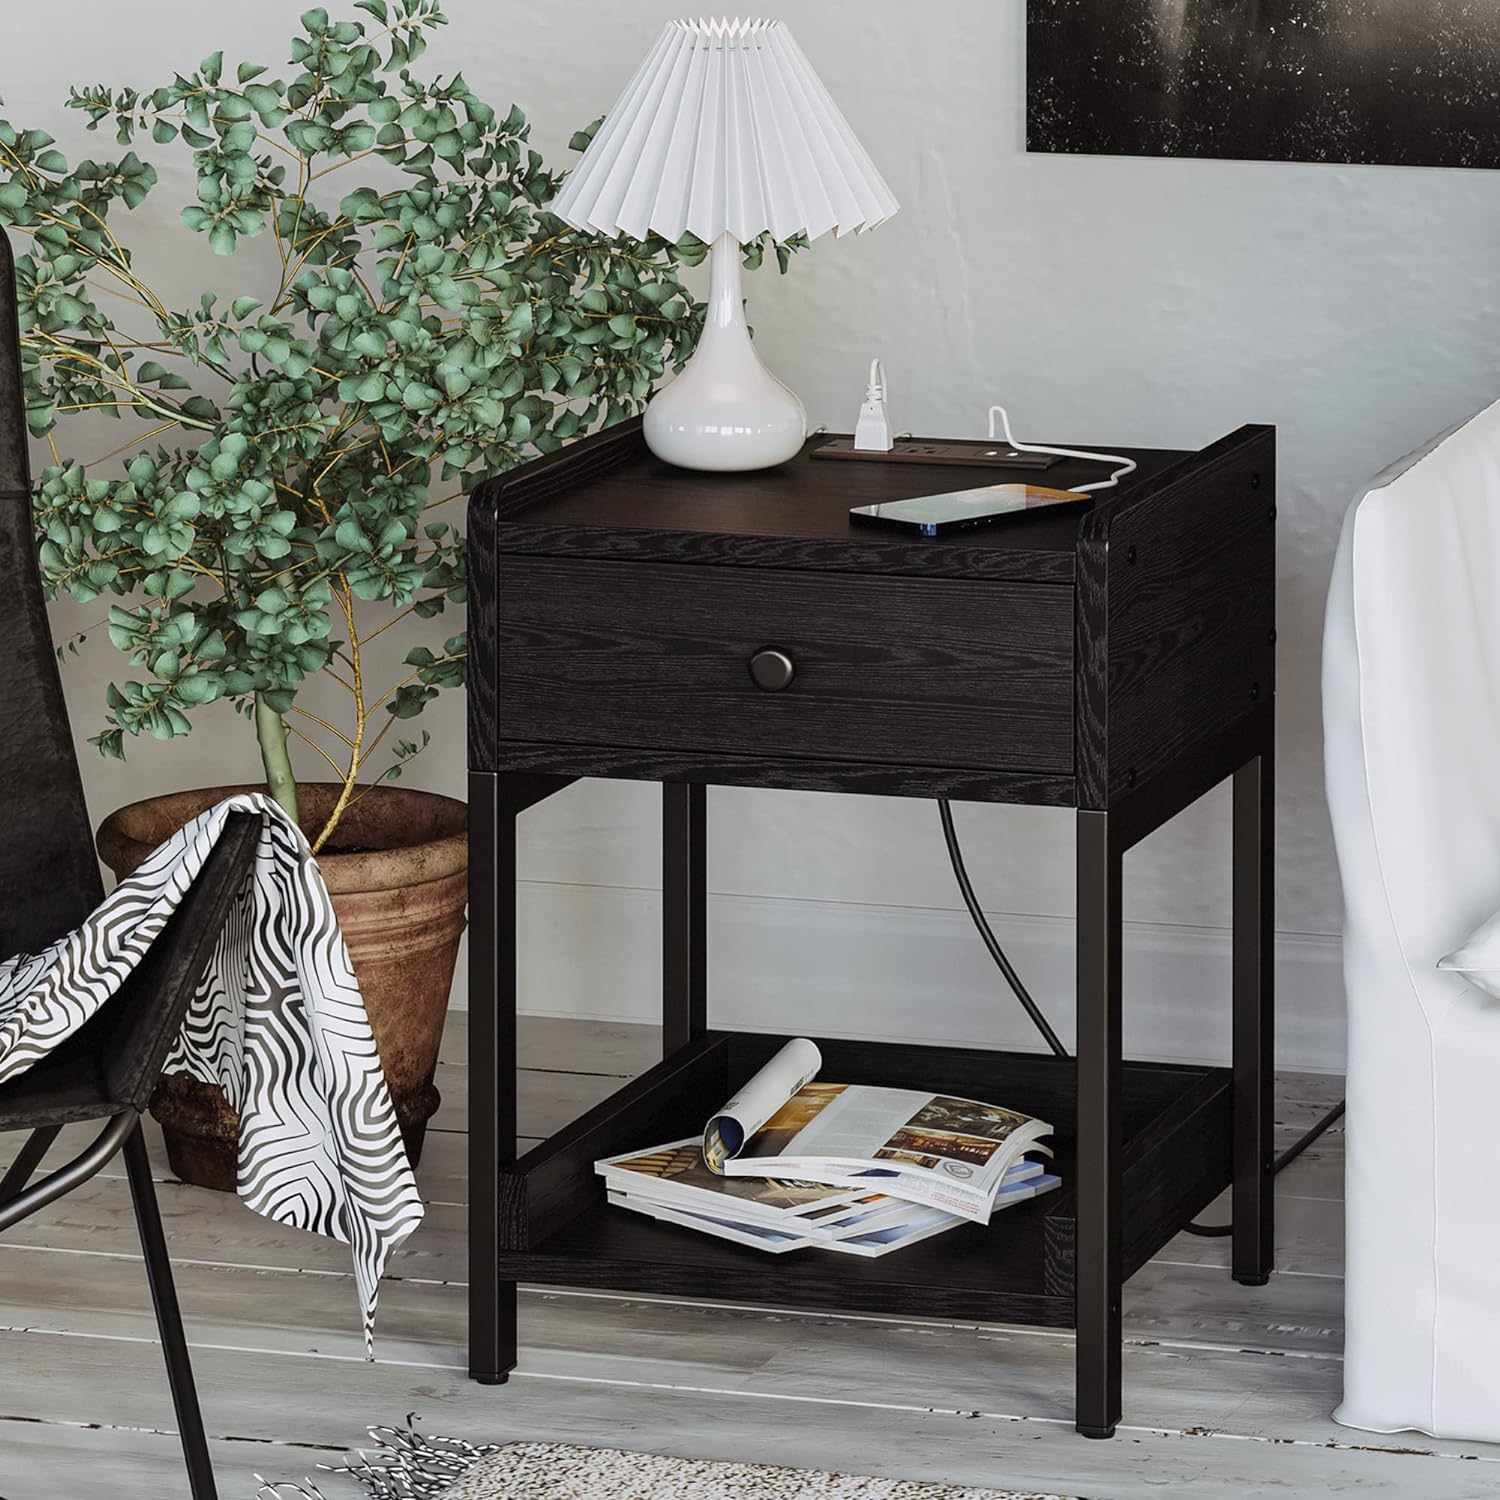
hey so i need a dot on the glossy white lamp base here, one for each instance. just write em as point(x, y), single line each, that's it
point(726, 412)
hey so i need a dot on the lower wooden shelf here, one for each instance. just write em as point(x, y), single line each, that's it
point(560, 1231)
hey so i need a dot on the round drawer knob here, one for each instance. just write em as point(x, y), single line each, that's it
point(772, 670)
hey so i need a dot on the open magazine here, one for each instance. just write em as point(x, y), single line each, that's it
point(933, 1149)
point(862, 1188)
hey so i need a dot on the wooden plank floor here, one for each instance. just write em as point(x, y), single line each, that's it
point(1228, 1389)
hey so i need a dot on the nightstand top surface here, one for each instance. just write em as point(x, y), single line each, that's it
point(808, 500)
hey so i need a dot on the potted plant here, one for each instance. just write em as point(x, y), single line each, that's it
point(288, 490)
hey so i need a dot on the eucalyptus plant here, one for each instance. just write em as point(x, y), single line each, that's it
point(415, 329)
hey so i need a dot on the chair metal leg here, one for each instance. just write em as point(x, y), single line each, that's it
point(169, 1318)
point(28, 1159)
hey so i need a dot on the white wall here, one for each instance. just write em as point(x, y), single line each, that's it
point(1109, 301)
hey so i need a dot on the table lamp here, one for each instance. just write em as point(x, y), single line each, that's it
point(725, 131)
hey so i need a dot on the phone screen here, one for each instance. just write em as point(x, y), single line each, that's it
point(929, 514)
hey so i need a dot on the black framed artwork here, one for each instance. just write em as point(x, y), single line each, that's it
point(1406, 82)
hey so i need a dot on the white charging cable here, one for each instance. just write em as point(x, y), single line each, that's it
point(1128, 465)
point(873, 434)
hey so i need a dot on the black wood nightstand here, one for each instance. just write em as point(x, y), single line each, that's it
point(633, 620)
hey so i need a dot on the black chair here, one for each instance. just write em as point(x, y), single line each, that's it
point(49, 882)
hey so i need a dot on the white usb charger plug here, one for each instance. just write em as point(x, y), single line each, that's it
point(873, 433)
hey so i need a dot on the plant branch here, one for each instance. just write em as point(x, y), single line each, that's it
point(324, 724)
point(394, 620)
point(135, 442)
point(346, 602)
point(307, 739)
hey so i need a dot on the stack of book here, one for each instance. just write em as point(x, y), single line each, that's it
point(792, 1164)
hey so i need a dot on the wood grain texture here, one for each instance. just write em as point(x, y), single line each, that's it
point(590, 458)
point(1174, 600)
point(1228, 1388)
point(1176, 614)
point(867, 551)
point(648, 1257)
point(422, 1319)
point(1020, 1269)
point(1173, 1169)
point(44, 1461)
point(527, 485)
point(609, 493)
point(724, 769)
point(555, 1182)
point(1138, 812)
point(887, 670)
point(607, 498)
point(1259, 1432)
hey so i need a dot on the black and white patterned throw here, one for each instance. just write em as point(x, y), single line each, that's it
point(278, 1023)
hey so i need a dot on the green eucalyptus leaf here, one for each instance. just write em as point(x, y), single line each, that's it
point(265, 100)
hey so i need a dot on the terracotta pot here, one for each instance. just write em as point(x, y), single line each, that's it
point(397, 869)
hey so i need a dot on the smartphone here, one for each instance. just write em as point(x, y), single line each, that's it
point(961, 510)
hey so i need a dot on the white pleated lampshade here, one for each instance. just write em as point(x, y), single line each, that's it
point(725, 129)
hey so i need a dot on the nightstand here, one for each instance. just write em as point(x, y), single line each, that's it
point(632, 620)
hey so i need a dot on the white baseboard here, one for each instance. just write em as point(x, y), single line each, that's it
point(909, 974)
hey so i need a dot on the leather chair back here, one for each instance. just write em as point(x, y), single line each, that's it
point(49, 876)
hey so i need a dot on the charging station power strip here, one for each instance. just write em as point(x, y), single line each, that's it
point(971, 454)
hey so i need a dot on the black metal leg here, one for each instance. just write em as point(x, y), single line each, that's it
point(169, 1318)
point(1098, 1254)
point(493, 807)
point(28, 1159)
point(1254, 1019)
point(684, 894)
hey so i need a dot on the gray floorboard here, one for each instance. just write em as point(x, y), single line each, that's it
point(1228, 1389)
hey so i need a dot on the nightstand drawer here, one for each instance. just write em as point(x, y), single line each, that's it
point(759, 662)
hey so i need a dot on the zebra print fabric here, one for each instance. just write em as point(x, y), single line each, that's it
point(278, 1023)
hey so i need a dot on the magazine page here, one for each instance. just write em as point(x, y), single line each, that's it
point(676, 1174)
point(919, 1224)
point(873, 1227)
point(767, 1092)
point(936, 1149)
point(741, 1232)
